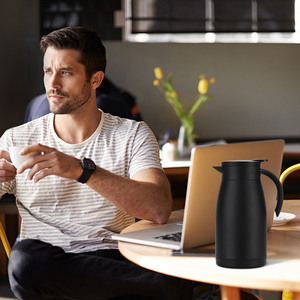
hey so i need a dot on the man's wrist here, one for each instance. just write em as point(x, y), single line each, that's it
point(88, 168)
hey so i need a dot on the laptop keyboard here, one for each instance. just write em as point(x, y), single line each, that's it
point(171, 237)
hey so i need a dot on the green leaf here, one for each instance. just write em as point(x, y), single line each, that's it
point(168, 87)
point(170, 78)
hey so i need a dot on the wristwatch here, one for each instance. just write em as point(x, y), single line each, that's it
point(88, 168)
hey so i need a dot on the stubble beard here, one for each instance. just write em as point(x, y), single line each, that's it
point(70, 105)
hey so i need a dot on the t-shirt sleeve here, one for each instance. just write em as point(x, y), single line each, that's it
point(145, 154)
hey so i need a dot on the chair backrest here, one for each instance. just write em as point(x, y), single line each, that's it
point(288, 171)
point(4, 240)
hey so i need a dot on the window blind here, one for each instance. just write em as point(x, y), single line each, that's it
point(218, 16)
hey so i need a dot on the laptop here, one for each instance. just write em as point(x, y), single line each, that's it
point(198, 225)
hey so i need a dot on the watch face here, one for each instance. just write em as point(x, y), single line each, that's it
point(89, 164)
point(88, 168)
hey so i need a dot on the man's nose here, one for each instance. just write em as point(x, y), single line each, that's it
point(55, 82)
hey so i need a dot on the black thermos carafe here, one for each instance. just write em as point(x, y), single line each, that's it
point(241, 216)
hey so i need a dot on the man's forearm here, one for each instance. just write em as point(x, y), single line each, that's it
point(146, 196)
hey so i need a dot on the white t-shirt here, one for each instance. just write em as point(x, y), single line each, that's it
point(67, 213)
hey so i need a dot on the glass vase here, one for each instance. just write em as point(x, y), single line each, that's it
point(185, 143)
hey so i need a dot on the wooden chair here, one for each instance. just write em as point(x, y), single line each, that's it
point(7, 208)
point(286, 294)
point(288, 171)
point(4, 240)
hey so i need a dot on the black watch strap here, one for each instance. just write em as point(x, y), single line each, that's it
point(88, 168)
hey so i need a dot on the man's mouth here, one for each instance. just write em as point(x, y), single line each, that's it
point(57, 95)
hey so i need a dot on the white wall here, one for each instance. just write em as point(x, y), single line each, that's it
point(256, 93)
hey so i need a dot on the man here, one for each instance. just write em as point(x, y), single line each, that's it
point(93, 174)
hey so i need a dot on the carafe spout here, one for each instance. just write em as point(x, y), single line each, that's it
point(219, 169)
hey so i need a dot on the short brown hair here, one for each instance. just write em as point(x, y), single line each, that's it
point(86, 41)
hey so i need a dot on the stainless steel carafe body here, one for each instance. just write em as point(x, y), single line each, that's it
point(241, 216)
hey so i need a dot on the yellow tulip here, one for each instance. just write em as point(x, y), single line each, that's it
point(173, 94)
point(203, 86)
point(158, 73)
point(156, 82)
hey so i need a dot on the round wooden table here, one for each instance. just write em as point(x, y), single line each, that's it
point(282, 270)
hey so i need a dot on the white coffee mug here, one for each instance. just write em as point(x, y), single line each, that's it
point(18, 159)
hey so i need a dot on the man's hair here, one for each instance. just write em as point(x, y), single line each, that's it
point(86, 41)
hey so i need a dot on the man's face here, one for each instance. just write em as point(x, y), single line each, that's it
point(65, 81)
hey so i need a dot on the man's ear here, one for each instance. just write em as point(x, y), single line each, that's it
point(97, 79)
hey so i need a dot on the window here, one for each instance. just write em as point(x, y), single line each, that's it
point(211, 20)
point(95, 14)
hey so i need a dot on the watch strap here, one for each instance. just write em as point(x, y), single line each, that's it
point(86, 172)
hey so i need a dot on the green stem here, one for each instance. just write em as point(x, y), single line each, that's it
point(188, 123)
point(174, 101)
point(198, 104)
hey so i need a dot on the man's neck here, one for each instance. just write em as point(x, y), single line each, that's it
point(76, 128)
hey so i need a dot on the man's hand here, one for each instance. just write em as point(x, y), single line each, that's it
point(49, 162)
point(7, 170)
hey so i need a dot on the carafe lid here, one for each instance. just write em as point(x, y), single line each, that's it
point(254, 162)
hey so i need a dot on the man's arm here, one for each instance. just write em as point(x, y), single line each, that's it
point(146, 196)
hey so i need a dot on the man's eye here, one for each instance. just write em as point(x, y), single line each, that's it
point(47, 72)
point(66, 73)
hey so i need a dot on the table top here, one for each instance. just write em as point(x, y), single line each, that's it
point(184, 163)
point(282, 270)
point(290, 150)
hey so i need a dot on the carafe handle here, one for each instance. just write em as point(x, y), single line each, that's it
point(279, 189)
